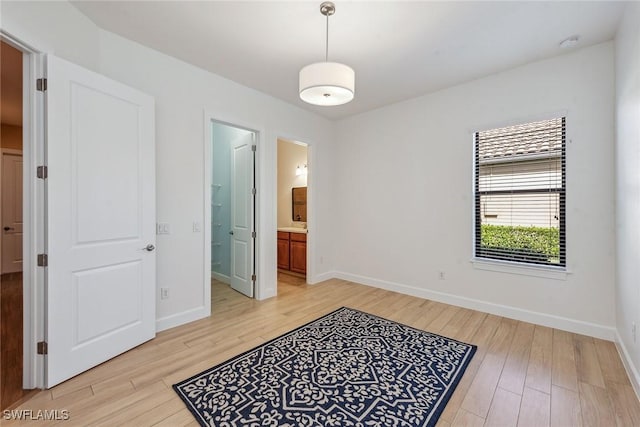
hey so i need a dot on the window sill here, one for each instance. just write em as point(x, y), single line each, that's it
point(547, 272)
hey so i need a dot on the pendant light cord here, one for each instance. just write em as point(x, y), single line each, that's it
point(326, 52)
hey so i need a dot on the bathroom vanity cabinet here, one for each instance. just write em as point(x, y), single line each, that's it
point(292, 251)
point(283, 250)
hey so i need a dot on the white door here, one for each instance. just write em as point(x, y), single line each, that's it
point(11, 212)
point(101, 219)
point(242, 214)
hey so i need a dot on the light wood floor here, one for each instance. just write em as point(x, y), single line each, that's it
point(522, 374)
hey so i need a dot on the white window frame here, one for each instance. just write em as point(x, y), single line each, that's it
point(511, 267)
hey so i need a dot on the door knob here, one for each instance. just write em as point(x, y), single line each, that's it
point(231, 232)
point(8, 228)
point(149, 248)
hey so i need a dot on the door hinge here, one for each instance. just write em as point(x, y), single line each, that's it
point(253, 277)
point(254, 234)
point(253, 147)
point(43, 260)
point(42, 347)
point(254, 191)
point(41, 84)
point(42, 172)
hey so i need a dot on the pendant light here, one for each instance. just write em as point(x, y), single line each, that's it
point(327, 83)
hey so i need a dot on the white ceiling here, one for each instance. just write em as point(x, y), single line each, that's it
point(398, 50)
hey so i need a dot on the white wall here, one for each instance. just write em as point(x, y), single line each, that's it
point(628, 187)
point(290, 156)
point(53, 27)
point(405, 199)
point(182, 93)
point(402, 211)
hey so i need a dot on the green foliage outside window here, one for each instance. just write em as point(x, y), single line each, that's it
point(536, 242)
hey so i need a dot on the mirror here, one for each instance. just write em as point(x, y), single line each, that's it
point(299, 203)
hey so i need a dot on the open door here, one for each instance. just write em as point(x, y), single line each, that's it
point(11, 211)
point(242, 214)
point(100, 290)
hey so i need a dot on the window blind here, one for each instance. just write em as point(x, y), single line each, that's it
point(520, 193)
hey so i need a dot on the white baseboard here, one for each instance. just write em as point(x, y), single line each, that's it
point(221, 277)
point(632, 372)
point(178, 319)
point(321, 277)
point(549, 320)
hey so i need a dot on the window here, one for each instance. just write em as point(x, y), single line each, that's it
point(520, 193)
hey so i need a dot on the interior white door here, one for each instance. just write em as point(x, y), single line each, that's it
point(11, 212)
point(100, 219)
point(242, 251)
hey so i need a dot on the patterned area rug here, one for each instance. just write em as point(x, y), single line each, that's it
point(347, 368)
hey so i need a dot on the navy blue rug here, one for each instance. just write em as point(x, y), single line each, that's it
point(347, 368)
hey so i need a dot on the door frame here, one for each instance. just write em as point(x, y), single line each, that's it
point(34, 223)
point(209, 118)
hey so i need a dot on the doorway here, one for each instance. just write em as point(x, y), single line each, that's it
point(292, 209)
point(11, 235)
point(233, 207)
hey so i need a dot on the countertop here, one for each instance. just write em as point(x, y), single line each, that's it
point(293, 229)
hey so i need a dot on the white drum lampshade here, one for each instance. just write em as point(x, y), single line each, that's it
point(327, 83)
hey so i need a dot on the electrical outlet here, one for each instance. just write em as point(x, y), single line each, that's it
point(164, 293)
point(441, 275)
point(633, 331)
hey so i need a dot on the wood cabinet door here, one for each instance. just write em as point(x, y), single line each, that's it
point(283, 253)
point(298, 257)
